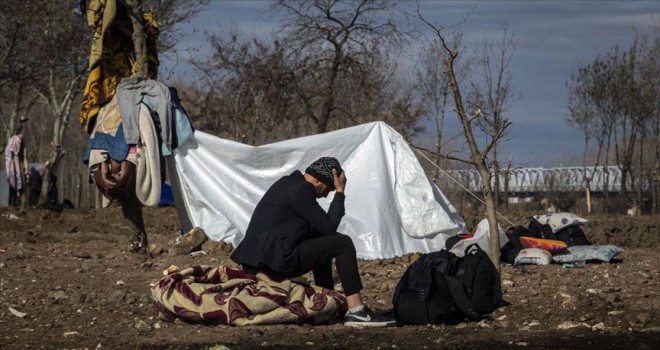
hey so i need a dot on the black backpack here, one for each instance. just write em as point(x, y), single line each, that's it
point(510, 250)
point(440, 287)
point(571, 235)
point(538, 230)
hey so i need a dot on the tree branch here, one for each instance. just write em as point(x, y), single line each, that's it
point(496, 137)
point(443, 156)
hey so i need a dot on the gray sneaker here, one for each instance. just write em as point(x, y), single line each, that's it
point(367, 318)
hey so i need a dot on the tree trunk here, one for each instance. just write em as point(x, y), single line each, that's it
point(640, 177)
point(496, 185)
point(24, 193)
point(587, 179)
point(132, 208)
point(655, 184)
point(606, 189)
point(587, 182)
point(491, 214)
point(141, 66)
point(506, 187)
point(329, 103)
point(49, 184)
point(624, 189)
point(606, 184)
point(49, 191)
point(80, 180)
point(478, 159)
point(61, 109)
point(134, 224)
point(98, 198)
point(13, 127)
point(439, 126)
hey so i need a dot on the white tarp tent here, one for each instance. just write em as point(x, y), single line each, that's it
point(391, 207)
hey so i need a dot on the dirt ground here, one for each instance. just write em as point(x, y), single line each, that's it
point(71, 274)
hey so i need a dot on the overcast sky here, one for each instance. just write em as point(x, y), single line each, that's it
point(553, 39)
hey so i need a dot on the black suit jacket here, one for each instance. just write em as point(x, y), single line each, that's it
point(287, 214)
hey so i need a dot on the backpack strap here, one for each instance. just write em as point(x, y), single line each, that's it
point(460, 298)
point(458, 292)
point(422, 281)
point(472, 249)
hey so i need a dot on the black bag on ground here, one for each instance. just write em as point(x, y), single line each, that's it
point(510, 250)
point(571, 235)
point(481, 280)
point(440, 287)
point(538, 230)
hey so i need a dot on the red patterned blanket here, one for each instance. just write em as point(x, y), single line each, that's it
point(223, 295)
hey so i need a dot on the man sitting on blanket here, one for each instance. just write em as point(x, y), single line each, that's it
point(290, 234)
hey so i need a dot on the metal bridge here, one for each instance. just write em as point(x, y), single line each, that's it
point(534, 180)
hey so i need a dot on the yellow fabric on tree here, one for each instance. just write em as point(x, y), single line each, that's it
point(111, 55)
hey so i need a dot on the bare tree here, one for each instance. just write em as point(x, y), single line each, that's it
point(16, 98)
point(627, 125)
point(654, 122)
point(249, 89)
point(433, 86)
point(652, 71)
point(583, 117)
point(17, 64)
point(594, 86)
point(620, 88)
point(334, 42)
point(258, 91)
point(37, 39)
point(478, 156)
point(492, 93)
point(58, 81)
point(642, 86)
point(170, 14)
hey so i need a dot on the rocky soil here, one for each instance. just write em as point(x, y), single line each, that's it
point(67, 281)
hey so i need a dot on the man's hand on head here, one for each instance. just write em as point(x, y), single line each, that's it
point(340, 181)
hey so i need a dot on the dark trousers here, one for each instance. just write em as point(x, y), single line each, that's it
point(14, 197)
point(316, 255)
point(34, 195)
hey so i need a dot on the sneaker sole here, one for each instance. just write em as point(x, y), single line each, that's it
point(370, 324)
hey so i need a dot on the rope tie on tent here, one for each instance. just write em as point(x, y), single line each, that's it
point(458, 183)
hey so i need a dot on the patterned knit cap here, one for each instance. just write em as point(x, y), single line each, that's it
point(322, 170)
